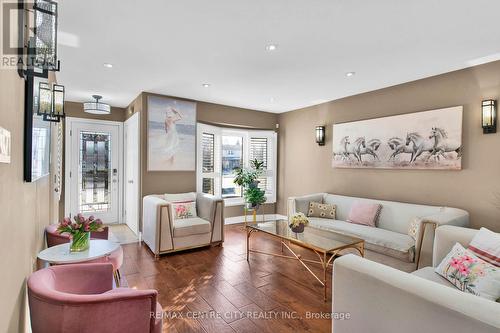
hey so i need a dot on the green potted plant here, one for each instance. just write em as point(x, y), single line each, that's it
point(247, 179)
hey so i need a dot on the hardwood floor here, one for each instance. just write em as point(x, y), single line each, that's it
point(215, 289)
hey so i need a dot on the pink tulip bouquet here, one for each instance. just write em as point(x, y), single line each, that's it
point(80, 231)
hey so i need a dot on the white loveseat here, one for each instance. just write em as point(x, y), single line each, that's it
point(390, 237)
point(163, 234)
point(381, 299)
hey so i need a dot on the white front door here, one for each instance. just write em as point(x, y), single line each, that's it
point(131, 200)
point(93, 169)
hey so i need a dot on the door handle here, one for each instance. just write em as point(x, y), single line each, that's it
point(130, 181)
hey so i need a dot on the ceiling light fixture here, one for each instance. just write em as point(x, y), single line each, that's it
point(206, 85)
point(349, 74)
point(96, 107)
point(108, 65)
point(271, 47)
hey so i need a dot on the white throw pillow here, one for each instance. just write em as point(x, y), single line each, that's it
point(486, 245)
point(183, 204)
point(470, 273)
point(180, 197)
point(184, 210)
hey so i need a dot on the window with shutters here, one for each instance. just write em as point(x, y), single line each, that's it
point(221, 150)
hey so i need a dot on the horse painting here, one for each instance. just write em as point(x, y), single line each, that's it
point(442, 144)
point(420, 140)
point(398, 146)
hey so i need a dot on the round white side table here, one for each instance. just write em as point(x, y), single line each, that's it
point(60, 254)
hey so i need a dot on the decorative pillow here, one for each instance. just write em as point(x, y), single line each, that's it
point(180, 197)
point(318, 209)
point(470, 273)
point(184, 210)
point(414, 228)
point(364, 213)
point(486, 245)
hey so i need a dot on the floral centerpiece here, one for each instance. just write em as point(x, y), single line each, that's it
point(298, 222)
point(80, 231)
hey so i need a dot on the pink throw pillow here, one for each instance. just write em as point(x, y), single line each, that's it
point(364, 213)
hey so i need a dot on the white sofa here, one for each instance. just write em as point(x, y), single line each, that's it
point(381, 299)
point(163, 234)
point(390, 237)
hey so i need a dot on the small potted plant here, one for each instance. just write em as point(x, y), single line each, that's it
point(298, 222)
point(254, 197)
point(80, 231)
point(247, 179)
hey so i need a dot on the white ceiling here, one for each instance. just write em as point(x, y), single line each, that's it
point(173, 47)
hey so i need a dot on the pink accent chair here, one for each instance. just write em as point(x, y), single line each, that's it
point(80, 298)
point(115, 258)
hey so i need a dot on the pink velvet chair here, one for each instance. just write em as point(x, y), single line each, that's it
point(115, 258)
point(80, 298)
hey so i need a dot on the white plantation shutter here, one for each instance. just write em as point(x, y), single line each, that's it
point(208, 165)
point(261, 145)
point(208, 162)
point(263, 148)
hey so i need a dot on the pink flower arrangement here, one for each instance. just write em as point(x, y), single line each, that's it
point(80, 225)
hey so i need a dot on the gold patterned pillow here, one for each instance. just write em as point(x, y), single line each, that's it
point(318, 209)
point(414, 227)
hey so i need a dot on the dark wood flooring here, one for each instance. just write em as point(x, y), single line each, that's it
point(215, 289)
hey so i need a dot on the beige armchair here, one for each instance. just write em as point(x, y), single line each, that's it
point(382, 299)
point(163, 234)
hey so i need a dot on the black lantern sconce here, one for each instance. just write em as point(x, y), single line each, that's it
point(50, 101)
point(320, 135)
point(489, 116)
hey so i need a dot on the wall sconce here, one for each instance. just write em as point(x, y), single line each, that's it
point(489, 116)
point(50, 101)
point(58, 98)
point(320, 135)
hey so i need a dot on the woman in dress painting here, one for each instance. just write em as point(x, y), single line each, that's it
point(172, 116)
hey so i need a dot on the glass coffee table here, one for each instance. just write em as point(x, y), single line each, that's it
point(326, 244)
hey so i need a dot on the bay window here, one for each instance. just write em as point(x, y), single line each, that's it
point(221, 150)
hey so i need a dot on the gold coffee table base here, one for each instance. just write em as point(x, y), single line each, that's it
point(325, 258)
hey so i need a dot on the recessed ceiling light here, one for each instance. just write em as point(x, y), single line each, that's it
point(271, 47)
point(349, 74)
point(206, 85)
point(108, 65)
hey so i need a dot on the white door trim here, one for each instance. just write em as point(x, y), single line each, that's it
point(138, 175)
point(67, 161)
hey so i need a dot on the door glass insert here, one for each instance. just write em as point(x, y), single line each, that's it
point(95, 174)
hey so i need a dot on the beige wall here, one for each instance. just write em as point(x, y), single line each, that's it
point(305, 167)
point(185, 181)
point(75, 109)
point(24, 209)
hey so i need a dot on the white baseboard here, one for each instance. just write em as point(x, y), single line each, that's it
point(260, 218)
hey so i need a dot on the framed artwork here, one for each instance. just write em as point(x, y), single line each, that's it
point(36, 134)
point(420, 140)
point(171, 134)
point(5, 145)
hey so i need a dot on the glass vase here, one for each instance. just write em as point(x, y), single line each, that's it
point(80, 242)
